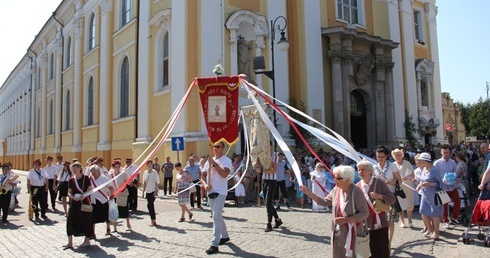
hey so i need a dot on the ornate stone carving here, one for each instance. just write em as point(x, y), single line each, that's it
point(389, 66)
point(106, 6)
point(362, 75)
point(380, 65)
point(335, 55)
point(79, 28)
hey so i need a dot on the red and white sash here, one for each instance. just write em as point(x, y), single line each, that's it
point(350, 240)
point(80, 189)
point(95, 186)
point(374, 214)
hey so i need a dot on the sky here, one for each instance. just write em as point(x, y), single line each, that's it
point(462, 35)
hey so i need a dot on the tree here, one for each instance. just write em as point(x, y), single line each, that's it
point(478, 118)
point(301, 105)
point(410, 129)
point(465, 111)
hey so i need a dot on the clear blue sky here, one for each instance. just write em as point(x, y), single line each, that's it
point(463, 35)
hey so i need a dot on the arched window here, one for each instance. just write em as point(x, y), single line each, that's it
point(90, 102)
point(124, 89)
point(51, 120)
point(125, 12)
point(165, 60)
point(67, 111)
point(91, 33)
point(68, 53)
point(51, 66)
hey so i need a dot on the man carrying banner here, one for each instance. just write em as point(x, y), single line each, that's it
point(269, 177)
point(218, 168)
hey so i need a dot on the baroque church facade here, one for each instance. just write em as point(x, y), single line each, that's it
point(103, 77)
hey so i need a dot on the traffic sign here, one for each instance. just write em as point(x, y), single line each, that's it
point(177, 143)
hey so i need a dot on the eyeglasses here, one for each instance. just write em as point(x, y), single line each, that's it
point(217, 146)
point(338, 178)
point(380, 157)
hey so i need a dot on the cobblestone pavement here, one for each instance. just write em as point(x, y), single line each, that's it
point(303, 234)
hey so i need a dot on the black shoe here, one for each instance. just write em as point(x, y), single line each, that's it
point(278, 207)
point(223, 241)
point(212, 250)
point(278, 223)
point(287, 205)
point(200, 207)
point(44, 216)
point(268, 228)
point(6, 221)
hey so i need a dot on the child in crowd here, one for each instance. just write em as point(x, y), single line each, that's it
point(240, 188)
point(300, 196)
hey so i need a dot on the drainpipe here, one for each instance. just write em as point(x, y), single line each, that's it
point(137, 70)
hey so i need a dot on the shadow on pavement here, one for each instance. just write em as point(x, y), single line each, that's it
point(238, 252)
point(306, 236)
point(92, 251)
point(114, 241)
point(408, 246)
point(133, 235)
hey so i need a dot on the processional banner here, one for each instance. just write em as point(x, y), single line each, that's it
point(258, 136)
point(219, 100)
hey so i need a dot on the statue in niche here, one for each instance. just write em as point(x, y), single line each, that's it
point(244, 52)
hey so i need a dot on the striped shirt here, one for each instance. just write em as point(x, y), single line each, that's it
point(271, 176)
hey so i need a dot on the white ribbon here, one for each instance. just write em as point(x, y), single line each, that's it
point(284, 147)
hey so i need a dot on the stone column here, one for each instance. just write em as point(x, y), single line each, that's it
point(347, 72)
point(57, 110)
point(32, 115)
point(43, 65)
point(418, 76)
point(105, 84)
point(77, 82)
point(387, 68)
point(335, 55)
point(144, 74)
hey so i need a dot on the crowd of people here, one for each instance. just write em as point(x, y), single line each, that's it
point(354, 193)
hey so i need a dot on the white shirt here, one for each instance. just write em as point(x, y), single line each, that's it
point(59, 168)
point(271, 176)
point(37, 178)
point(386, 173)
point(151, 178)
point(63, 176)
point(51, 171)
point(218, 183)
point(105, 190)
point(4, 180)
point(103, 171)
point(130, 170)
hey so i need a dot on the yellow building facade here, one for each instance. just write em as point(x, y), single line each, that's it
point(103, 77)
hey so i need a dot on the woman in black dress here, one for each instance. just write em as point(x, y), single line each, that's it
point(79, 223)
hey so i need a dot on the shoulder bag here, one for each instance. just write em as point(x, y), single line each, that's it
point(378, 204)
point(85, 207)
point(362, 241)
point(401, 198)
point(441, 197)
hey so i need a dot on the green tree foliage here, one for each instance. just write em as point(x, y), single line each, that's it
point(410, 129)
point(465, 115)
point(478, 118)
point(300, 105)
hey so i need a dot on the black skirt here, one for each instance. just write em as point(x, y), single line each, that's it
point(123, 211)
point(63, 189)
point(79, 223)
point(100, 212)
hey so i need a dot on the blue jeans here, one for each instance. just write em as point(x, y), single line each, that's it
point(219, 226)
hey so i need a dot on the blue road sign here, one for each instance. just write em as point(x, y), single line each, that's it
point(177, 143)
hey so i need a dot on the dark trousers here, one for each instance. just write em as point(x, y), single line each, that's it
point(151, 205)
point(133, 198)
point(4, 204)
point(167, 180)
point(269, 189)
point(379, 243)
point(281, 186)
point(196, 194)
point(39, 200)
point(52, 193)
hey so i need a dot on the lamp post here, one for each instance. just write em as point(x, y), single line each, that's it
point(259, 62)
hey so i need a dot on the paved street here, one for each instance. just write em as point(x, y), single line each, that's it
point(304, 234)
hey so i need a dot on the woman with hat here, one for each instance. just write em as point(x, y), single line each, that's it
point(63, 179)
point(428, 181)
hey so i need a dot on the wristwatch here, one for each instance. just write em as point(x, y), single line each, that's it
point(214, 164)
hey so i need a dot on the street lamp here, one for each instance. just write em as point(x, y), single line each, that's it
point(259, 61)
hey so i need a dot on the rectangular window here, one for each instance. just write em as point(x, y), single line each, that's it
point(417, 25)
point(126, 12)
point(348, 10)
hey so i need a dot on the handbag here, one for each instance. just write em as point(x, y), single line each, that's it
point(122, 198)
point(85, 207)
point(362, 241)
point(399, 191)
point(192, 189)
point(213, 195)
point(380, 205)
point(441, 197)
point(401, 198)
